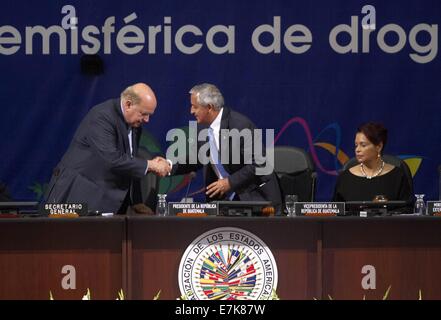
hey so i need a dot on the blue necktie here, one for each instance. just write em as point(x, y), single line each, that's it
point(214, 153)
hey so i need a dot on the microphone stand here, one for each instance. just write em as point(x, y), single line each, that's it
point(185, 199)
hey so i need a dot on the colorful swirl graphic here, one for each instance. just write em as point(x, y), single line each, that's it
point(305, 127)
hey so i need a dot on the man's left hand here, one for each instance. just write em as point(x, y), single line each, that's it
point(218, 188)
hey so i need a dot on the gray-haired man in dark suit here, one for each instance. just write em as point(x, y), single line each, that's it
point(228, 179)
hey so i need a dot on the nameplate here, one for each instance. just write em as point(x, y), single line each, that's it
point(319, 209)
point(434, 208)
point(65, 209)
point(192, 209)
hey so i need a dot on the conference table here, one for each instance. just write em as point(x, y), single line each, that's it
point(316, 257)
point(43, 255)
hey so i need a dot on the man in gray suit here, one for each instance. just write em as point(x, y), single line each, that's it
point(101, 167)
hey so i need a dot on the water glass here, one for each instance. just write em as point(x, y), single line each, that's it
point(420, 206)
point(290, 201)
point(161, 207)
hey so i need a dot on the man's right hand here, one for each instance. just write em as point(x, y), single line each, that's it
point(159, 166)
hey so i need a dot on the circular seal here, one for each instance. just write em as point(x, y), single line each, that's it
point(228, 264)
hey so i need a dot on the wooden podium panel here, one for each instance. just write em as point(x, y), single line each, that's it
point(315, 257)
point(156, 245)
point(405, 252)
point(33, 252)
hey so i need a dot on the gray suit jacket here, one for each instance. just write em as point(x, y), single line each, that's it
point(98, 168)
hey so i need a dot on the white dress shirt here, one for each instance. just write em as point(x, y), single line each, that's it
point(130, 133)
point(215, 125)
point(130, 141)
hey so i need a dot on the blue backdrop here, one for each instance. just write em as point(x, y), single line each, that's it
point(314, 100)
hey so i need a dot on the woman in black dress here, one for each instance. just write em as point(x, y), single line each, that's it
point(372, 176)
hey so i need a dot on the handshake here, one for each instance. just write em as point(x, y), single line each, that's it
point(159, 166)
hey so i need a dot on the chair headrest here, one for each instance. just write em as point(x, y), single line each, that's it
point(291, 160)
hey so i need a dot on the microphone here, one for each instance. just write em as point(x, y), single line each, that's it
point(191, 175)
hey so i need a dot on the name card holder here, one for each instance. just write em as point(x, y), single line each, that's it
point(65, 210)
point(320, 209)
point(434, 208)
point(195, 209)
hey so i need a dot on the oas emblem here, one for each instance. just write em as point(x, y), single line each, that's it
point(228, 264)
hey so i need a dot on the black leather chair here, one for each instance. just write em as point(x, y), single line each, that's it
point(295, 171)
point(393, 160)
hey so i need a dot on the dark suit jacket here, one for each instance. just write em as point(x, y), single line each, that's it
point(242, 176)
point(98, 169)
